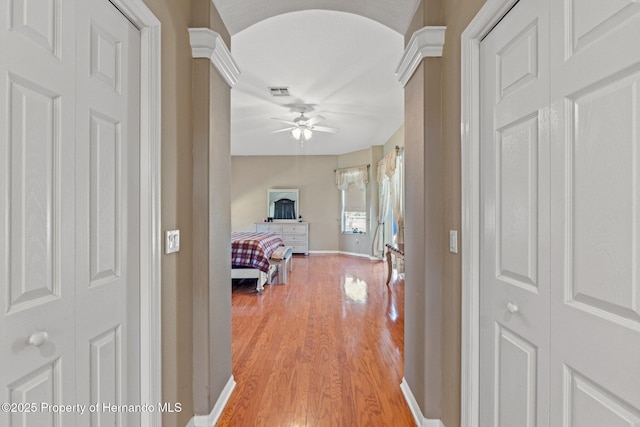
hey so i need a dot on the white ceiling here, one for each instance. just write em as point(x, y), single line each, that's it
point(341, 64)
point(240, 14)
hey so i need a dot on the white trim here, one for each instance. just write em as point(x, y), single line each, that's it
point(420, 420)
point(426, 42)
point(212, 418)
point(490, 14)
point(206, 43)
point(369, 257)
point(150, 205)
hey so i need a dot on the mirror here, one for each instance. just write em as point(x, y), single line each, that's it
point(282, 204)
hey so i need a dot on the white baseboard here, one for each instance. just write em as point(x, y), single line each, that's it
point(369, 257)
point(420, 420)
point(212, 418)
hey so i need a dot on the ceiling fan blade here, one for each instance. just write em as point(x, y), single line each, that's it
point(284, 121)
point(324, 129)
point(284, 130)
point(313, 120)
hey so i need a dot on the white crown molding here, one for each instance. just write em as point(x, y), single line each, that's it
point(206, 43)
point(426, 42)
point(214, 415)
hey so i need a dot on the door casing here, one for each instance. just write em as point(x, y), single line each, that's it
point(488, 16)
point(150, 204)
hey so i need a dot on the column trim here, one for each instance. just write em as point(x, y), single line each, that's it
point(206, 43)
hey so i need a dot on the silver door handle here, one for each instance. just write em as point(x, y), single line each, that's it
point(513, 309)
point(38, 338)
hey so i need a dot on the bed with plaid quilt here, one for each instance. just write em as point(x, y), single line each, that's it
point(253, 250)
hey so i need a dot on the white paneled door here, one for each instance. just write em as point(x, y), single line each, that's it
point(595, 213)
point(69, 212)
point(560, 234)
point(514, 355)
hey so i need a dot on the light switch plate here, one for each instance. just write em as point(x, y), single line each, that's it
point(172, 242)
point(453, 241)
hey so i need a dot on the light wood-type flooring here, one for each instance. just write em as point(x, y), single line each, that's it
point(324, 350)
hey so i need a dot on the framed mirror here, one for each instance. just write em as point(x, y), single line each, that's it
point(282, 204)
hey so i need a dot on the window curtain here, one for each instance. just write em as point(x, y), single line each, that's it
point(390, 177)
point(358, 175)
point(383, 210)
point(396, 190)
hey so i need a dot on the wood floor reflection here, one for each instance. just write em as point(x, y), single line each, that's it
point(326, 349)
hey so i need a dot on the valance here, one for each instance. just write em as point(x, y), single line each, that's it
point(358, 175)
point(387, 166)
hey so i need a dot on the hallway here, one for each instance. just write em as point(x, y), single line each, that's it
point(326, 349)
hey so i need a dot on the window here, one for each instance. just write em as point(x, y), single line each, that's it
point(354, 209)
point(352, 183)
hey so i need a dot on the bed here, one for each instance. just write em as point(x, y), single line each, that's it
point(250, 254)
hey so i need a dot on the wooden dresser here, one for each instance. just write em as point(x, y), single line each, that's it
point(294, 234)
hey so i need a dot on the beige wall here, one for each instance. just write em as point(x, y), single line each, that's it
point(457, 14)
point(176, 205)
point(396, 139)
point(211, 308)
point(433, 277)
point(251, 176)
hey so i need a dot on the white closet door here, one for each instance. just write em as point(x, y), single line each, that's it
point(107, 281)
point(595, 216)
point(37, 147)
point(69, 211)
point(514, 285)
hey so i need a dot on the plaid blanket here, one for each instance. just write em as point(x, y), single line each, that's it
point(253, 250)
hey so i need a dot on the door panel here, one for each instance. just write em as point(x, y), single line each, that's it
point(69, 215)
point(514, 286)
point(37, 208)
point(40, 386)
point(595, 216)
point(33, 173)
point(106, 376)
point(108, 193)
point(606, 188)
point(516, 380)
point(517, 204)
point(38, 21)
point(590, 405)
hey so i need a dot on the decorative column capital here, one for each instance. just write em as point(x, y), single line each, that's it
point(206, 43)
point(426, 42)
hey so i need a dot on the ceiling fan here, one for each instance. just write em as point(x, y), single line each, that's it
point(302, 127)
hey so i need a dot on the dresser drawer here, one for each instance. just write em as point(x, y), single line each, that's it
point(294, 228)
point(294, 239)
point(266, 226)
point(299, 249)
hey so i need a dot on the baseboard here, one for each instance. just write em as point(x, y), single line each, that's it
point(355, 254)
point(212, 418)
point(420, 420)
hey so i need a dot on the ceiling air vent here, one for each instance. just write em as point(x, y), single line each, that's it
point(279, 91)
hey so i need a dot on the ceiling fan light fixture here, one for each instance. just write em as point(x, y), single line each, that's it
point(296, 133)
point(307, 134)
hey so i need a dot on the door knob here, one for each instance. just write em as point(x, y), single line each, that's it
point(513, 309)
point(38, 338)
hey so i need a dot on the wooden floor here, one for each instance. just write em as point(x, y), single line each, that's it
point(326, 349)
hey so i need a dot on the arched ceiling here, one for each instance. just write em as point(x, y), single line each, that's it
point(341, 64)
point(240, 14)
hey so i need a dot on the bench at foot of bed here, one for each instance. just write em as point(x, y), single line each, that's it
point(281, 257)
